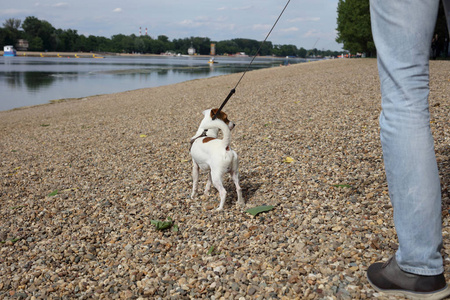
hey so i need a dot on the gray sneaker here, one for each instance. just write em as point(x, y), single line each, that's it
point(390, 279)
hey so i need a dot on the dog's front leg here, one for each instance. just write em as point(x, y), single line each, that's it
point(208, 184)
point(195, 171)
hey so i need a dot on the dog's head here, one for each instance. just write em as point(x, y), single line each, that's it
point(210, 113)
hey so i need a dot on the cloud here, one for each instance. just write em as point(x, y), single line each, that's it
point(197, 22)
point(243, 7)
point(12, 11)
point(261, 27)
point(290, 29)
point(60, 4)
point(320, 34)
point(312, 33)
point(203, 19)
point(191, 23)
point(305, 19)
point(117, 10)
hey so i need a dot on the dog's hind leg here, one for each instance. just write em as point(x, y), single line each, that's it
point(235, 177)
point(208, 184)
point(195, 171)
point(217, 181)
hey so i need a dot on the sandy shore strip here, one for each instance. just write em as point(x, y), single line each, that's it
point(82, 180)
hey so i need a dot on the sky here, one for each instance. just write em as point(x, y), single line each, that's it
point(305, 23)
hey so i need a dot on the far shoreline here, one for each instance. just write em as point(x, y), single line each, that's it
point(99, 54)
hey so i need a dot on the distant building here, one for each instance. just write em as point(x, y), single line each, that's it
point(9, 50)
point(22, 45)
point(191, 51)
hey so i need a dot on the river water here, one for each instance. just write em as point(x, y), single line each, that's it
point(26, 81)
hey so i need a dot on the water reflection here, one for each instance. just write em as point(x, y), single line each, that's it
point(37, 80)
point(34, 80)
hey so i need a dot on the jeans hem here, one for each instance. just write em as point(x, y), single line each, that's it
point(421, 271)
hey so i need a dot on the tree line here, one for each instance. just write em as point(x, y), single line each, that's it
point(42, 36)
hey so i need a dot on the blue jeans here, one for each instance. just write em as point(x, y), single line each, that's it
point(402, 31)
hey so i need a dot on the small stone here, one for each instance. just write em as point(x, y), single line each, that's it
point(235, 286)
point(251, 291)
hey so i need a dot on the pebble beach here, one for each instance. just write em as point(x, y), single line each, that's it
point(83, 179)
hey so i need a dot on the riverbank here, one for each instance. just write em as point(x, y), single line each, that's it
point(57, 54)
point(82, 179)
point(97, 55)
point(103, 55)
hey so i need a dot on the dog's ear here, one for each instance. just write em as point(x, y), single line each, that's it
point(221, 116)
point(205, 112)
point(213, 112)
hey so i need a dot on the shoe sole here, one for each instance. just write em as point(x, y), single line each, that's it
point(437, 295)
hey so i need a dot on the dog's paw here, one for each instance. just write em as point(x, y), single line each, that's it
point(240, 203)
point(219, 209)
point(193, 195)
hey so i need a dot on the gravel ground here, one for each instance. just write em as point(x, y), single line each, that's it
point(82, 179)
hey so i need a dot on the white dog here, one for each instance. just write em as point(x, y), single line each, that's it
point(214, 155)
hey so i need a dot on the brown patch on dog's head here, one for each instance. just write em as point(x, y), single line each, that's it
point(221, 115)
point(208, 139)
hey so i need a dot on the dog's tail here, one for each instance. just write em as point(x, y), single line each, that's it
point(226, 132)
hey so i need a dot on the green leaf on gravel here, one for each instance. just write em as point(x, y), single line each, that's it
point(342, 186)
point(16, 207)
point(12, 240)
point(54, 193)
point(259, 209)
point(210, 251)
point(162, 225)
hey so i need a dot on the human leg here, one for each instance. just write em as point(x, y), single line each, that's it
point(402, 32)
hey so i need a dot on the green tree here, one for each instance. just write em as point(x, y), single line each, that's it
point(286, 50)
point(181, 45)
point(66, 40)
point(12, 24)
point(353, 26)
point(92, 43)
point(36, 44)
point(139, 45)
point(302, 52)
point(266, 48)
point(122, 43)
point(227, 47)
point(10, 32)
point(103, 44)
point(35, 28)
point(441, 32)
point(202, 45)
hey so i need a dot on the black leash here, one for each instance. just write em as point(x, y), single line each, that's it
point(233, 90)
